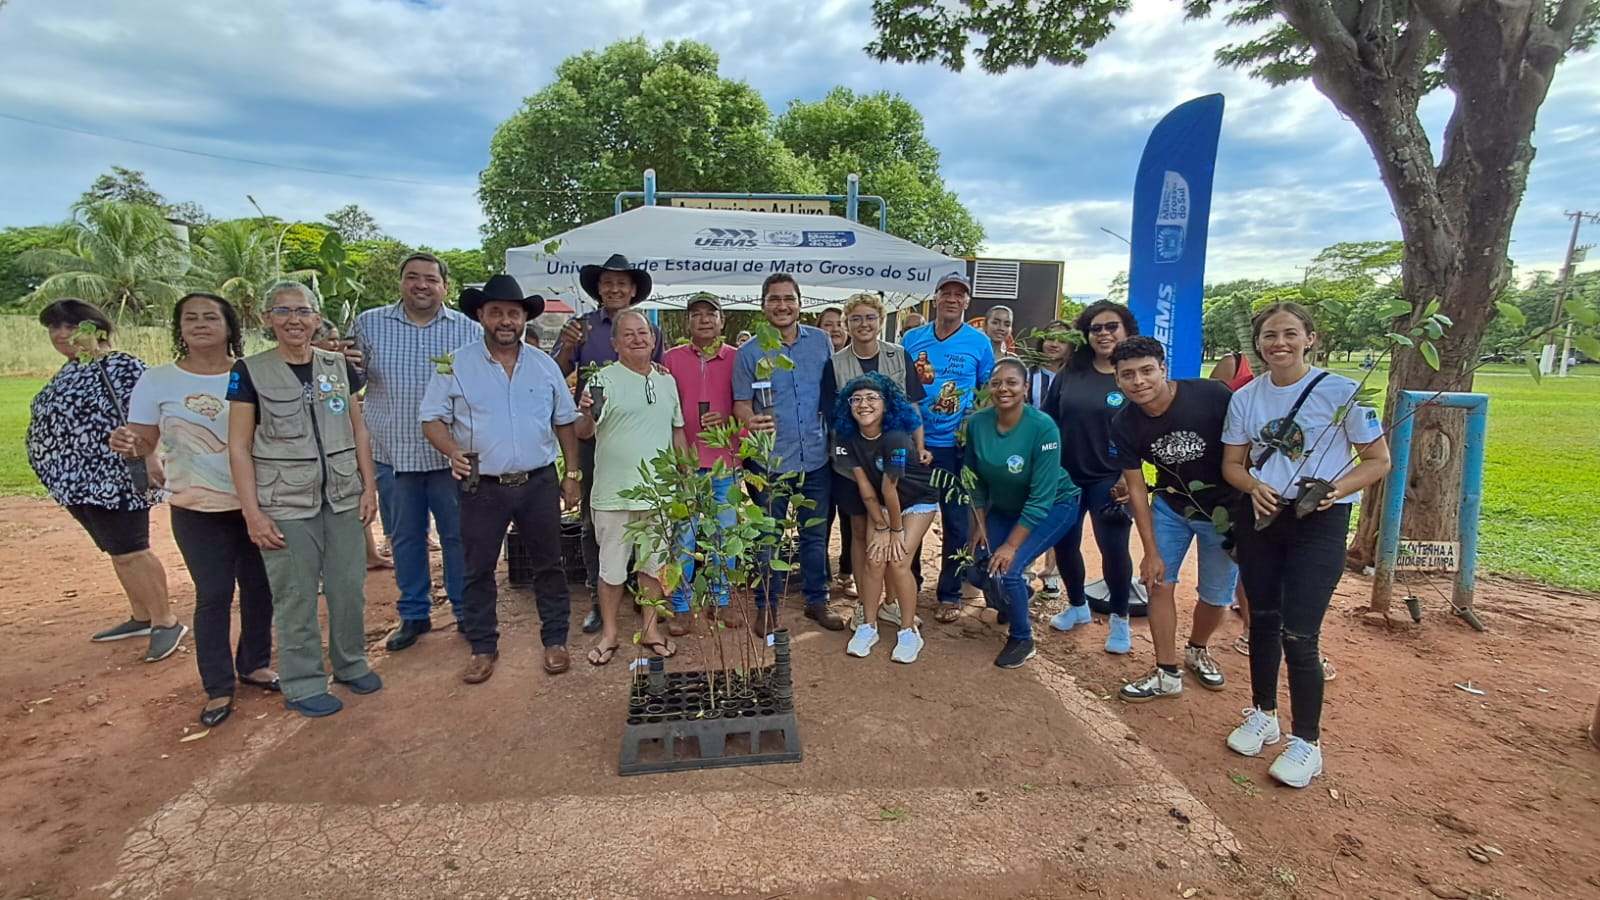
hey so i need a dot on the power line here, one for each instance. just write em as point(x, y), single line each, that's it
point(291, 168)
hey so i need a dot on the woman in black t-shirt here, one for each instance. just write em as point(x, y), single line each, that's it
point(1083, 399)
point(874, 433)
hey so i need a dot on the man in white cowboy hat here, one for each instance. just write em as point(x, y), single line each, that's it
point(586, 339)
point(500, 414)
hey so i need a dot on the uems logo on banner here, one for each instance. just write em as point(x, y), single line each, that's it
point(727, 239)
point(827, 239)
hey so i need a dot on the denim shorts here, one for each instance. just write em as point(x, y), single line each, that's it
point(1218, 572)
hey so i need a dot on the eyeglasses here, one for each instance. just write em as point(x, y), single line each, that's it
point(864, 320)
point(284, 312)
point(865, 399)
point(1105, 328)
point(649, 390)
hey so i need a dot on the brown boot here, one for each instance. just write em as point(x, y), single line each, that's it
point(556, 660)
point(728, 616)
point(479, 668)
point(680, 624)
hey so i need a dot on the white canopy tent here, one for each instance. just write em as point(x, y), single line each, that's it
point(730, 252)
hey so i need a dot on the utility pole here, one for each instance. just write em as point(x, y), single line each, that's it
point(1548, 363)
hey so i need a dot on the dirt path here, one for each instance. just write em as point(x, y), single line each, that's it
point(947, 778)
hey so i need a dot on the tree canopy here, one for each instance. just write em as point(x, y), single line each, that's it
point(560, 160)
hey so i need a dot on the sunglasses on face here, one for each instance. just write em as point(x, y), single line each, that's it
point(1105, 328)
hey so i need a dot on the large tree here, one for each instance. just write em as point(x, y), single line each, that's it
point(124, 257)
point(129, 186)
point(880, 137)
point(1374, 60)
point(559, 160)
point(355, 224)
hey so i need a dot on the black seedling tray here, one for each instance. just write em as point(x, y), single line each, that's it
point(728, 728)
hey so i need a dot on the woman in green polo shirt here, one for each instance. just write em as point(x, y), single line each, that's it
point(1022, 500)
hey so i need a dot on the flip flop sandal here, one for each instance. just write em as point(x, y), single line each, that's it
point(599, 656)
point(1242, 645)
point(948, 612)
point(663, 649)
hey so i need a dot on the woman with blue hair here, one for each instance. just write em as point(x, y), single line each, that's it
point(875, 438)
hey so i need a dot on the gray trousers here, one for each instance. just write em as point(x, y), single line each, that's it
point(328, 551)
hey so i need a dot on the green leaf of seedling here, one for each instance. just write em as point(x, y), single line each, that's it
point(1340, 414)
point(1588, 343)
point(1367, 394)
point(1582, 313)
point(813, 522)
point(1400, 339)
point(1431, 308)
point(1198, 485)
point(1415, 332)
point(1394, 309)
point(778, 565)
point(1511, 313)
point(1532, 362)
point(1430, 355)
point(1434, 329)
point(1220, 520)
point(1442, 319)
point(783, 362)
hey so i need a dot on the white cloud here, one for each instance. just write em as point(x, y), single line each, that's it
point(414, 90)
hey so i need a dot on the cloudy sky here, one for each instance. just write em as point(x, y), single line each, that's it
point(407, 94)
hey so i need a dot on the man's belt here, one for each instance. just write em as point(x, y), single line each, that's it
point(510, 480)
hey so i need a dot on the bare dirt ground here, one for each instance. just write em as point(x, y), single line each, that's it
point(945, 779)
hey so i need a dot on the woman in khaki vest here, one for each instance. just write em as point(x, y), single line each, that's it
point(302, 465)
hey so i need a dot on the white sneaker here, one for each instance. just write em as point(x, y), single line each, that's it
point(865, 639)
point(907, 646)
point(1258, 729)
point(1299, 762)
point(1199, 661)
point(1156, 685)
point(1052, 587)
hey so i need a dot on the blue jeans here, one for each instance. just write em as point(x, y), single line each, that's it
point(411, 497)
point(1116, 563)
point(1218, 573)
point(1014, 582)
point(726, 518)
point(813, 486)
point(953, 524)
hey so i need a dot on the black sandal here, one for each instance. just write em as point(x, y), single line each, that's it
point(272, 685)
point(211, 718)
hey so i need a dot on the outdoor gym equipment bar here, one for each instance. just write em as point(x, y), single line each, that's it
point(850, 198)
point(1394, 497)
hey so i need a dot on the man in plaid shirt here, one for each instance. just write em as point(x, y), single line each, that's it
point(398, 341)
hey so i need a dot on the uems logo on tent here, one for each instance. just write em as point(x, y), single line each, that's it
point(726, 239)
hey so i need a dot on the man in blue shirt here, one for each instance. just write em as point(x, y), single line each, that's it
point(786, 402)
point(953, 360)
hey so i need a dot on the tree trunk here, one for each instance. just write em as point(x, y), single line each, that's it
point(1455, 219)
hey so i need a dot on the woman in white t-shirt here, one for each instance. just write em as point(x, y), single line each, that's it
point(1292, 424)
point(180, 411)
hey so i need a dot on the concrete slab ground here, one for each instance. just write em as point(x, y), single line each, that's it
point(948, 777)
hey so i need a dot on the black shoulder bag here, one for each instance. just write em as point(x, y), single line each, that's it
point(137, 471)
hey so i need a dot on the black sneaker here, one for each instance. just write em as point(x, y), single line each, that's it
point(130, 629)
point(164, 641)
point(592, 622)
point(1015, 654)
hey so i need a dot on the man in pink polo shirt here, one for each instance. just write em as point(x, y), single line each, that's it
point(703, 369)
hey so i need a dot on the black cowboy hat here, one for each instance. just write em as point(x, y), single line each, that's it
point(589, 277)
point(501, 288)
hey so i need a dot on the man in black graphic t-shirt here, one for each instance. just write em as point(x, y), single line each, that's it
point(1175, 426)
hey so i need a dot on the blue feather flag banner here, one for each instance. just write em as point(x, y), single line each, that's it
point(1171, 211)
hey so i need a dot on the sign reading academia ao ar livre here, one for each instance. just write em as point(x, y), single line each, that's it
point(794, 206)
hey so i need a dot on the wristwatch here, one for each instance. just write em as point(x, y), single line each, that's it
point(575, 476)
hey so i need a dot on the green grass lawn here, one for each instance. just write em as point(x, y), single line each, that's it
point(16, 478)
point(1541, 508)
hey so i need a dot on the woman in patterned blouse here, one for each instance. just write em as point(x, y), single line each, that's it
point(71, 449)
